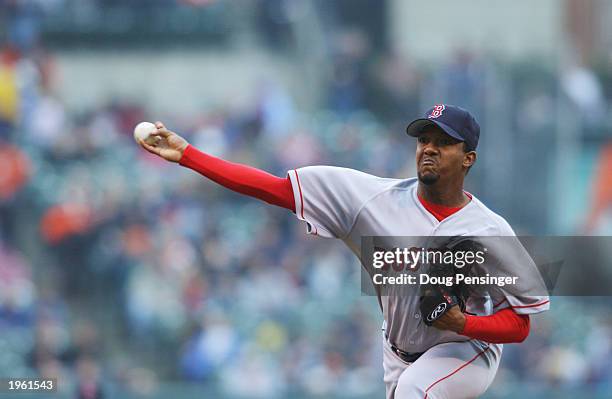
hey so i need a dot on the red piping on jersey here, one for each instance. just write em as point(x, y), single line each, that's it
point(297, 177)
point(502, 301)
point(458, 369)
point(300, 189)
point(241, 178)
point(521, 306)
point(530, 306)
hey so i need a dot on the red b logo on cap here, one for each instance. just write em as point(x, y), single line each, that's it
point(437, 111)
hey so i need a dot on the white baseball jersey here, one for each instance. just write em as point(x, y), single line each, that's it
point(348, 204)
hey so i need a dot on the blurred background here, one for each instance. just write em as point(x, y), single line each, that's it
point(127, 277)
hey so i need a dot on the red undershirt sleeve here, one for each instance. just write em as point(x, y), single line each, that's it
point(241, 178)
point(505, 326)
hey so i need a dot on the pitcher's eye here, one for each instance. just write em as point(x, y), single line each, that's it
point(422, 140)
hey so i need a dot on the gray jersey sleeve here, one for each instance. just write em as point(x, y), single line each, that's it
point(329, 198)
point(528, 296)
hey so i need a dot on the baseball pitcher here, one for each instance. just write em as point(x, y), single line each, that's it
point(438, 346)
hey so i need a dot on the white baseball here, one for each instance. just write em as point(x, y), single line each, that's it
point(143, 131)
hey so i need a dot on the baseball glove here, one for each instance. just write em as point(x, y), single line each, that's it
point(437, 298)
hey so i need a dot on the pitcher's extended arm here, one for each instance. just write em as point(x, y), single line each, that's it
point(237, 177)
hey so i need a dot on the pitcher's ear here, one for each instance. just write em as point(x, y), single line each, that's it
point(469, 159)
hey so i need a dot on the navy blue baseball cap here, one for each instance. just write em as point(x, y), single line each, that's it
point(453, 120)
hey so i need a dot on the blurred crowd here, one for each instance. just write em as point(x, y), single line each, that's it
point(132, 260)
point(119, 271)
